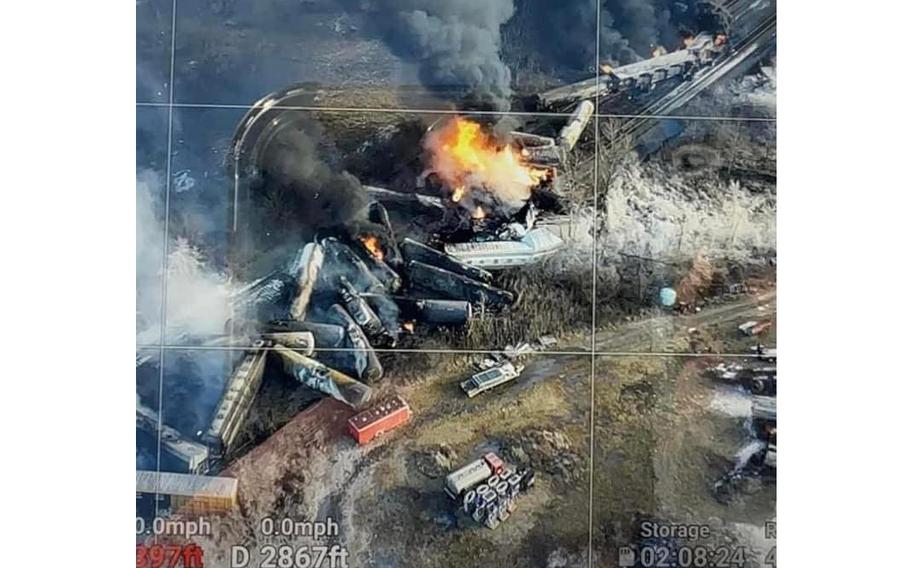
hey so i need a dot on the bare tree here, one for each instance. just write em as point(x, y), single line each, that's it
point(614, 151)
point(721, 9)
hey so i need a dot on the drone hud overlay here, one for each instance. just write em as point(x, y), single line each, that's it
point(468, 283)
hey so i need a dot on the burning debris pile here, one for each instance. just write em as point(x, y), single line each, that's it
point(339, 297)
point(495, 188)
point(361, 282)
point(484, 174)
point(480, 173)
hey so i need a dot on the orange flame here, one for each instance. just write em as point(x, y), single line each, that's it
point(408, 326)
point(478, 213)
point(688, 41)
point(371, 242)
point(464, 156)
point(658, 51)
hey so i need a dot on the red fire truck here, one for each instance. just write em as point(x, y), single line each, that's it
point(381, 418)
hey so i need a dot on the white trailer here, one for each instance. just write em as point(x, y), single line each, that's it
point(486, 489)
point(485, 380)
point(472, 475)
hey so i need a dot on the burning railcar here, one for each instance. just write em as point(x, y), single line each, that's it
point(323, 300)
point(697, 52)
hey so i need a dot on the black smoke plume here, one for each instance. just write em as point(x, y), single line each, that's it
point(297, 184)
point(641, 25)
point(629, 29)
point(455, 43)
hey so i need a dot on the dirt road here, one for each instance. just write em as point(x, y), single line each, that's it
point(657, 447)
point(657, 334)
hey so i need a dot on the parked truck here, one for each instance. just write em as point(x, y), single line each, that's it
point(765, 353)
point(759, 379)
point(495, 376)
point(486, 489)
point(752, 328)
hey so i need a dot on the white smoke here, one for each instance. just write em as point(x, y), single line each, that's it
point(149, 256)
point(197, 294)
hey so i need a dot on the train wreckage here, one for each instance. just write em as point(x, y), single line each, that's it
point(324, 310)
point(698, 52)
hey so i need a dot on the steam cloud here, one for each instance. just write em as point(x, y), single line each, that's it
point(456, 43)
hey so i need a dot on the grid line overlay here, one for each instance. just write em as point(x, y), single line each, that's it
point(164, 347)
point(162, 353)
point(418, 110)
point(594, 259)
point(601, 353)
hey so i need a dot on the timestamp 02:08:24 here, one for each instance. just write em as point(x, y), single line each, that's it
point(692, 557)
